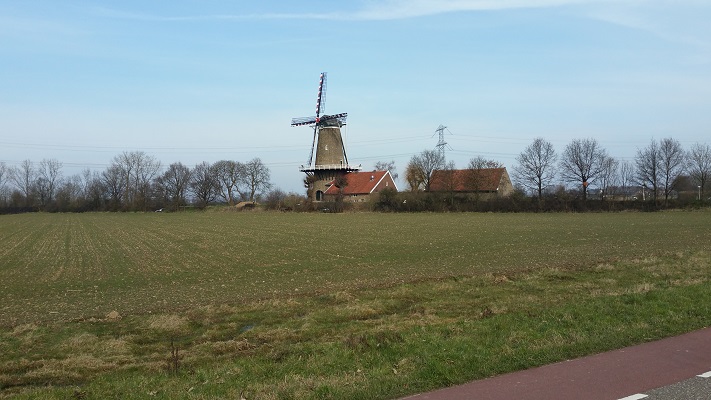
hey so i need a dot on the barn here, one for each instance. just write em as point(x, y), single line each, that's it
point(485, 183)
point(360, 186)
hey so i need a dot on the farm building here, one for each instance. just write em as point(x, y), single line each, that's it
point(360, 186)
point(486, 183)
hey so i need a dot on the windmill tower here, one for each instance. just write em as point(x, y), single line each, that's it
point(331, 159)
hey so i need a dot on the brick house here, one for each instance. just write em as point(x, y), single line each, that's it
point(485, 183)
point(360, 186)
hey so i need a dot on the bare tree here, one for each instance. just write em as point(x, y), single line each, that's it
point(4, 176)
point(174, 184)
point(69, 191)
point(581, 163)
point(672, 165)
point(24, 177)
point(228, 175)
point(93, 188)
point(41, 190)
point(255, 178)
point(137, 171)
point(535, 169)
point(419, 169)
point(699, 165)
point(204, 185)
point(608, 176)
point(3, 173)
point(122, 166)
point(49, 175)
point(626, 178)
point(147, 168)
point(648, 162)
point(387, 166)
point(113, 181)
point(480, 162)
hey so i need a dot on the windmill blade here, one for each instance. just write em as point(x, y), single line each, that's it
point(313, 145)
point(321, 100)
point(340, 117)
point(345, 156)
point(303, 121)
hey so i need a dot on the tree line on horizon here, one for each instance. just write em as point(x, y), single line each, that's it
point(134, 181)
point(659, 170)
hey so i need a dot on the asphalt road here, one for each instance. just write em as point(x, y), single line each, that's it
point(673, 368)
point(696, 388)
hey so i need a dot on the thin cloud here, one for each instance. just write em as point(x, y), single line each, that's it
point(690, 29)
point(369, 10)
point(626, 13)
point(28, 26)
point(114, 13)
point(402, 9)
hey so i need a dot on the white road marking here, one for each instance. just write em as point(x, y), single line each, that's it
point(705, 375)
point(634, 397)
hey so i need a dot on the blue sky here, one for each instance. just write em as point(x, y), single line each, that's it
point(193, 81)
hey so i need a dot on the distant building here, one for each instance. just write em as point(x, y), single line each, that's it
point(360, 186)
point(486, 183)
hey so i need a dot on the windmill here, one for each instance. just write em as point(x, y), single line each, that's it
point(319, 121)
point(327, 158)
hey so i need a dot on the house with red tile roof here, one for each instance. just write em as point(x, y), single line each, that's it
point(360, 186)
point(486, 183)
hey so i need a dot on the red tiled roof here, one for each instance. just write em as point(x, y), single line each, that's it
point(466, 180)
point(359, 182)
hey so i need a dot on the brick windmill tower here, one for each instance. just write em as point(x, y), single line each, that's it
point(331, 160)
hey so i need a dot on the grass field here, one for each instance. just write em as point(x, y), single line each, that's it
point(288, 305)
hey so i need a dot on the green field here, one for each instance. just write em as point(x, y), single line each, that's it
point(355, 305)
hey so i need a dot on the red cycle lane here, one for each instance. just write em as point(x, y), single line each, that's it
point(612, 375)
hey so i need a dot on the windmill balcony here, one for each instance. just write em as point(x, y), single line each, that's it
point(326, 167)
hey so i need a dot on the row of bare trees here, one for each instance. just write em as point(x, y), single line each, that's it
point(658, 170)
point(133, 181)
